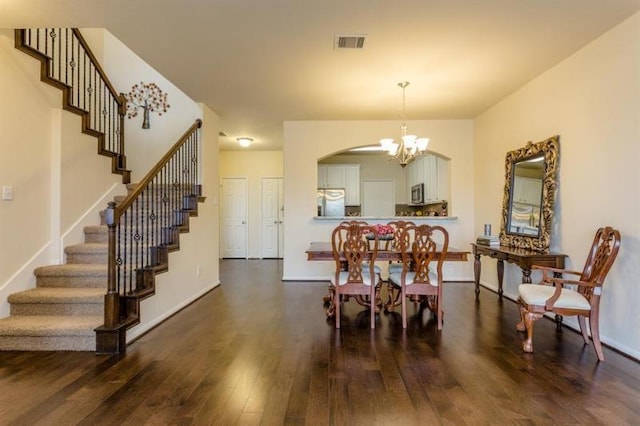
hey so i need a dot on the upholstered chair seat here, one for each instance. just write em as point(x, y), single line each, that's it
point(534, 294)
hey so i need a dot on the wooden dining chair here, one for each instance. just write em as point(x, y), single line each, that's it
point(399, 243)
point(421, 276)
point(350, 245)
point(583, 300)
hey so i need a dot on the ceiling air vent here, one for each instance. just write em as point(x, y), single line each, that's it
point(350, 41)
point(222, 133)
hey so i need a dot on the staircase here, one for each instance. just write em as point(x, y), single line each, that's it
point(66, 306)
point(89, 303)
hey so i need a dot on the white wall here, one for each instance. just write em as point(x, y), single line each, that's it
point(25, 163)
point(591, 100)
point(307, 141)
point(253, 165)
point(194, 269)
point(46, 159)
point(124, 69)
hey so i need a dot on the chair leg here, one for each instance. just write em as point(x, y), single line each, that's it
point(336, 302)
point(595, 334)
point(392, 297)
point(439, 312)
point(520, 326)
point(403, 302)
point(582, 321)
point(374, 297)
point(331, 299)
point(529, 318)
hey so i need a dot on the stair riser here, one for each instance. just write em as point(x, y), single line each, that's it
point(57, 309)
point(92, 258)
point(72, 281)
point(96, 238)
point(48, 343)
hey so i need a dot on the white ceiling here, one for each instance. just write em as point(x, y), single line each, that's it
point(258, 63)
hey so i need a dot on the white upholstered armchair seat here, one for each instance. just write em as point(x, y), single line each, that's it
point(534, 294)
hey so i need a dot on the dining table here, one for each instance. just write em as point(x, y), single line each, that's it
point(322, 251)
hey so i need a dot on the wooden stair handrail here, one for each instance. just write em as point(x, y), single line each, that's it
point(143, 229)
point(115, 148)
point(126, 203)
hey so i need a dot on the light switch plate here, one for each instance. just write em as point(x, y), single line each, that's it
point(7, 193)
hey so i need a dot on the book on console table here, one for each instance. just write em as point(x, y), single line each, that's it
point(488, 240)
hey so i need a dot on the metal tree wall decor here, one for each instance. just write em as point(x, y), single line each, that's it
point(148, 97)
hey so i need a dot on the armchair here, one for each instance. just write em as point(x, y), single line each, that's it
point(421, 275)
point(350, 244)
point(552, 294)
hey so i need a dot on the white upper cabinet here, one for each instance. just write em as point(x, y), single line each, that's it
point(322, 176)
point(345, 176)
point(433, 172)
point(352, 184)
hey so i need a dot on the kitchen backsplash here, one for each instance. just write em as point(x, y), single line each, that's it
point(439, 209)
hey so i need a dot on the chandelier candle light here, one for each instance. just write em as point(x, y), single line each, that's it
point(409, 146)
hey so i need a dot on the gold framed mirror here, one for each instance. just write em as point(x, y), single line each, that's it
point(529, 195)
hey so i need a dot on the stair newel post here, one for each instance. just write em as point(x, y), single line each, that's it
point(112, 298)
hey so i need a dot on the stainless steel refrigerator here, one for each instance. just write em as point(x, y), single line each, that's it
point(331, 202)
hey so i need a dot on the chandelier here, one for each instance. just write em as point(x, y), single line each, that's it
point(409, 146)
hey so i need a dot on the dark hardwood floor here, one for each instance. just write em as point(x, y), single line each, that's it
point(259, 351)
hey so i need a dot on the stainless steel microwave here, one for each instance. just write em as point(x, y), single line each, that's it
point(417, 194)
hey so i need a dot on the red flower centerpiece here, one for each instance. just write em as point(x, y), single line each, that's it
point(385, 232)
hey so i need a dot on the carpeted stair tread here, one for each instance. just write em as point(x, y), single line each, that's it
point(49, 325)
point(56, 295)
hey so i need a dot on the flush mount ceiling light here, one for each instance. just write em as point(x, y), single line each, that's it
point(409, 146)
point(244, 142)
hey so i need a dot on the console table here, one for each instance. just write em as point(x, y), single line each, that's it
point(524, 258)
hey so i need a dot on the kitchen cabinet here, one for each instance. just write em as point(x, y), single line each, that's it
point(345, 176)
point(352, 184)
point(322, 176)
point(527, 190)
point(433, 172)
point(415, 174)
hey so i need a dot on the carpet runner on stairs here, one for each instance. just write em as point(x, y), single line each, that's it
point(61, 313)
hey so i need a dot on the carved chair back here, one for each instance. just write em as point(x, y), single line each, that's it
point(423, 249)
point(350, 245)
point(400, 236)
point(603, 253)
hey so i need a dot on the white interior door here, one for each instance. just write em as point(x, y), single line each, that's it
point(234, 218)
point(378, 198)
point(272, 217)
